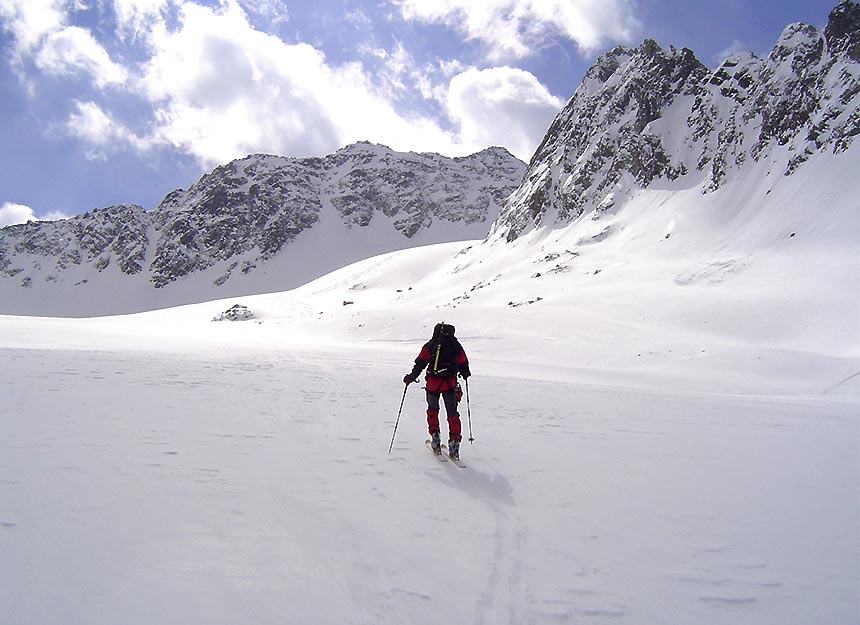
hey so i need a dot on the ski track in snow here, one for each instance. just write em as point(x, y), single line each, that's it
point(226, 488)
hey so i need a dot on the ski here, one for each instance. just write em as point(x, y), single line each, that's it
point(455, 461)
point(439, 455)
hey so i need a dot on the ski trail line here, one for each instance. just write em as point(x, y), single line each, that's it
point(498, 603)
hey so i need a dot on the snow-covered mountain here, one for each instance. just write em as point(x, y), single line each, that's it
point(261, 223)
point(647, 117)
point(664, 400)
point(672, 192)
point(655, 159)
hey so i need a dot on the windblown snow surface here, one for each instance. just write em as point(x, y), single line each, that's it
point(664, 406)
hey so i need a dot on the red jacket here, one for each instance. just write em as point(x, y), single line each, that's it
point(446, 380)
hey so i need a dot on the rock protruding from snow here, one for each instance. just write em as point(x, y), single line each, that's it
point(643, 114)
point(237, 312)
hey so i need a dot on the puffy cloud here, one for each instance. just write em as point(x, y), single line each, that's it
point(99, 130)
point(91, 124)
point(502, 106)
point(39, 29)
point(514, 28)
point(30, 21)
point(222, 89)
point(212, 85)
point(11, 213)
point(74, 50)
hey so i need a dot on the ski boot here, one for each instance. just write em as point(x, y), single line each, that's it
point(435, 443)
point(454, 449)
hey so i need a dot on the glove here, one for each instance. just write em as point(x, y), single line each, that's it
point(409, 378)
point(465, 373)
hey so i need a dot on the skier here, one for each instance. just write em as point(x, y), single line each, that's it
point(444, 358)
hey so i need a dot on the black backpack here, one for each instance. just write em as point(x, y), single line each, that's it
point(444, 349)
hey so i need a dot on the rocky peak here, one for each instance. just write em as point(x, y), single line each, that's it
point(799, 46)
point(657, 76)
point(649, 113)
point(581, 157)
point(606, 65)
point(843, 30)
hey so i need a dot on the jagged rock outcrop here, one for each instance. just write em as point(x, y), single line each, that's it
point(843, 30)
point(647, 113)
point(242, 214)
point(118, 234)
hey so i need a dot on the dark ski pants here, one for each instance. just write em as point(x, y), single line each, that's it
point(450, 399)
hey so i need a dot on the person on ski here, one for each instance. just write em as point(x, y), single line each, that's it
point(444, 358)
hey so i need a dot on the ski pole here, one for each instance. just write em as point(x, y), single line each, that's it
point(469, 411)
point(405, 388)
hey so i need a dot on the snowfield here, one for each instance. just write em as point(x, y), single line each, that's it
point(665, 422)
point(175, 488)
point(164, 468)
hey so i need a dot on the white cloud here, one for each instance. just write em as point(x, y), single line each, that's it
point(218, 88)
point(91, 124)
point(137, 16)
point(515, 28)
point(39, 30)
point(100, 131)
point(399, 65)
point(222, 89)
point(30, 21)
point(502, 106)
point(11, 213)
point(73, 50)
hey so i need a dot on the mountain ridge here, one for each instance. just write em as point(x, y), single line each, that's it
point(643, 114)
point(241, 216)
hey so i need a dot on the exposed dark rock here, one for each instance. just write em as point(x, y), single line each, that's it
point(843, 30)
point(237, 312)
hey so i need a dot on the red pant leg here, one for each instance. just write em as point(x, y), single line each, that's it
point(433, 421)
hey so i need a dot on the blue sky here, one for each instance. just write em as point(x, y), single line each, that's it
point(122, 101)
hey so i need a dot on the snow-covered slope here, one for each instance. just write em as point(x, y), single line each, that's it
point(259, 224)
point(651, 446)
